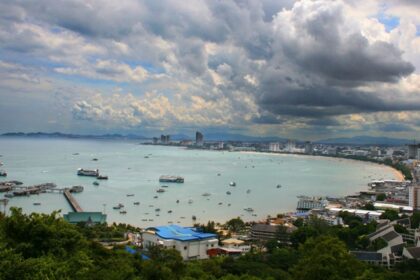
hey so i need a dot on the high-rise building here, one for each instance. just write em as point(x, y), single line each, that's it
point(165, 139)
point(155, 140)
point(199, 138)
point(309, 149)
point(274, 147)
point(414, 197)
point(413, 151)
point(290, 146)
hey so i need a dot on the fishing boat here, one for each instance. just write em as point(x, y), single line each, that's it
point(249, 209)
point(206, 194)
point(228, 193)
point(37, 203)
point(123, 212)
point(164, 186)
point(155, 196)
point(278, 186)
point(157, 209)
point(177, 201)
point(96, 183)
point(170, 211)
point(160, 190)
point(136, 203)
point(88, 172)
point(119, 206)
point(102, 177)
point(130, 194)
point(171, 179)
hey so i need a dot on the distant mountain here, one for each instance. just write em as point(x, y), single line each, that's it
point(366, 140)
point(73, 136)
point(240, 137)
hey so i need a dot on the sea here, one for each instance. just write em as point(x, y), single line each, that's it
point(134, 170)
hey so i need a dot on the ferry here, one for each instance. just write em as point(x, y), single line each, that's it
point(171, 179)
point(87, 172)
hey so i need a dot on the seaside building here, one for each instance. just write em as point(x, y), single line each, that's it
point(290, 146)
point(165, 139)
point(307, 203)
point(199, 138)
point(413, 151)
point(274, 147)
point(414, 197)
point(309, 149)
point(155, 140)
point(190, 243)
point(90, 218)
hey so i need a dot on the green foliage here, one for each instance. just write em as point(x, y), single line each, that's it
point(369, 206)
point(415, 220)
point(381, 197)
point(40, 246)
point(390, 215)
point(235, 225)
point(326, 258)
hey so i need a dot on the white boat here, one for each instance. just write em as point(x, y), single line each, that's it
point(88, 172)
point(232, 184)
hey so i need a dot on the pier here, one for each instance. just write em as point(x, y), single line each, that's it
point(73, 203)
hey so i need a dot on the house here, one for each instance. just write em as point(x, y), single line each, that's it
point(90, 218)
point(189, 242)
point(412, 253)
point(235, 244)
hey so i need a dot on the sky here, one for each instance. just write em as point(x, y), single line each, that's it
point(309, 69)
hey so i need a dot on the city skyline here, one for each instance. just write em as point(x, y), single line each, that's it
point(294, 69)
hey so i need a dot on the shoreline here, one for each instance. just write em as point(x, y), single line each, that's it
point(398, 174)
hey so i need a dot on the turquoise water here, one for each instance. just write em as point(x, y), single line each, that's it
point(35, 161)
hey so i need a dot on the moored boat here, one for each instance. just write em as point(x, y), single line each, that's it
point(88, 172)
point(171, 179)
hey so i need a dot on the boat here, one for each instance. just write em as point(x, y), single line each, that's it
point(229, 204)
point(249, 209)
point(278, 186)
point(228, 193)
point(160, 190)
point(157, 209)
point(218, 174)
point(94, 159)
point(144, 220)
point(164, 186)
point(248, 191)
point(75, 154)
point(206, 194)
point(194, 217)
point(155, 196)
point(136, 203)
point(171, 179)
point(232, 184)
point(123, 212)
point(190, 201)
point(102, 177)
point(130, 194)
point(177, 201)
point(170, 211)
point(9, 195)
point(88, 172)
point(76, 189)
point(119, 206)
point(220, 203)
point(96, 183)
point(37, 203)
point(3, 173)
point(146, 156)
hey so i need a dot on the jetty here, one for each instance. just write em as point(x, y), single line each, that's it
point(73, 203)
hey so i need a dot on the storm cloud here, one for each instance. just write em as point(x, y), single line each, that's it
point(232, 64)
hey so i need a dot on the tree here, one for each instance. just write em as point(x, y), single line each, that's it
point(381, 197)
point(235, 225)
point(390, 215)
point(325, 257)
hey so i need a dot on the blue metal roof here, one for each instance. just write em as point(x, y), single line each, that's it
point(180, 233)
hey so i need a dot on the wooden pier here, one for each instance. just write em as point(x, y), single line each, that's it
point(73, 203)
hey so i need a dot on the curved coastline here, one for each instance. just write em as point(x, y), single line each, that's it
point(397, 173)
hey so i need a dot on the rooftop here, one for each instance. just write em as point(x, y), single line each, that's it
point(414, 251)
point(367, 255)
point(180, 233)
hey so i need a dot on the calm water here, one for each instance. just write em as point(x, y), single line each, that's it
point(35, 161)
